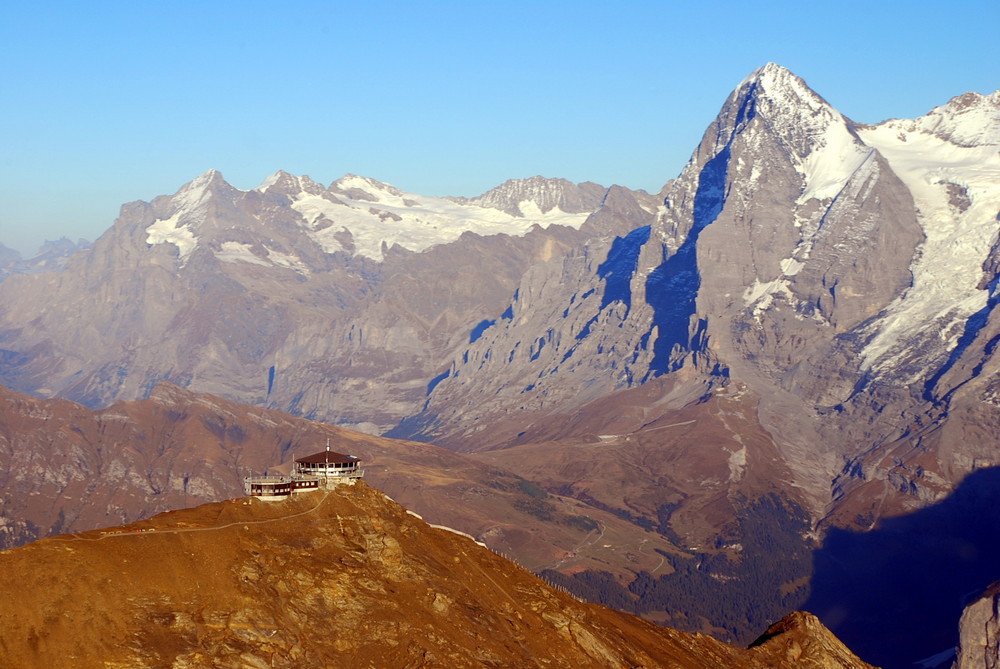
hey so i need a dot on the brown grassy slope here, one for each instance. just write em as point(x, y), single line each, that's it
point(345, 579)
point(66, 468)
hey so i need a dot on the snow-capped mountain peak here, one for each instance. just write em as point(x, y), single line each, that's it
point(363, 188)
point(774, 79)
point(820, 140)
point(971, 119)
point(376, 216)
point(188, 207)
point(782, 96)
point(967, 120)
point(197, 191)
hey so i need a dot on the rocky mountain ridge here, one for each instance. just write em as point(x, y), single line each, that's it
point(238, 293)
point(341, 577)
point(841, 274)
point(538, 193)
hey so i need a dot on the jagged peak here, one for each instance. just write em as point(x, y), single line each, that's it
point(207, 178)
point(967, 120)
point(537, 184)
point(974, 99)
point(776, 90)
point(286, 182)
point(536, 181)
point(771, 73)
point(276, 178)
point(819, 140)
point(185, 211)
point(199, 190)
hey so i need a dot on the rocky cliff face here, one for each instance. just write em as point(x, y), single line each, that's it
point(342, 578)
point(785, 232)
point(843, 272)
point(979, 632)
point(838, 277)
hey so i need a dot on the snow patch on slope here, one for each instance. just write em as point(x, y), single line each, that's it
point(240, 252)
point(737, 463)
point(761, 295)
point(827, 168)
point(287, 261)
point(168, 232)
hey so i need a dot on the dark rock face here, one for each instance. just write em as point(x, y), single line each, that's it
point(796, 253)
point(783, 236)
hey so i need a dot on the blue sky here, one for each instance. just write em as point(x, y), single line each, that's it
point(108, 102)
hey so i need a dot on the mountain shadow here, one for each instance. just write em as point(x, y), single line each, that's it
point(734, 594)
point(672, 288)
point(895, 594)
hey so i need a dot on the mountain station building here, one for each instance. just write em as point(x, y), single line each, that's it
point(319, 470)
point(328, 465)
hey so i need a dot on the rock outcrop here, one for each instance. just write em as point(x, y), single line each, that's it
point(979, 632)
